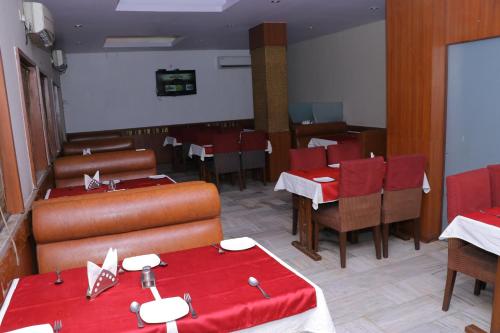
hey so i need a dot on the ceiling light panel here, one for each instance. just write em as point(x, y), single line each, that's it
point(174, 5)
point(141, 42)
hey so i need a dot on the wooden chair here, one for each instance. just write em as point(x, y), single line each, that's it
point(359, 203)
point(253, 153)
point(304, 159)
point(468, 192)
point(226, 156)
point(402, 195)
point(345, 151)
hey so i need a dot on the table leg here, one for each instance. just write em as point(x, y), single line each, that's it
point(306, 235)
point(495, 312)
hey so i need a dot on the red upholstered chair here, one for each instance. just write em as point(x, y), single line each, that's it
point(205, 135)
point(402, 195)
point(226, 156)
point(359, 203)
point(253, 153)
point(178, 154)
point(304, 159)
point(346, 151)
point(466, 193)
point(494, 171)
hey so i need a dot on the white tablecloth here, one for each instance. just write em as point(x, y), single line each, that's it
point(200, 150)
point(170, 140)
point(312, 190)
point(317, 142)
point(483, 235)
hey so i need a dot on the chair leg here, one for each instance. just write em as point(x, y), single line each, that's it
point(264, 176)
point(295, 216)
point(385, 239)
point(416, 233)
point(377, 241)
point(240, 180)
point(483, 285)
point(448, 291)
point(244, 178)
point(343, 248)
point(480, 285)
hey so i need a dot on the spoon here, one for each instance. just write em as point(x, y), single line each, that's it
point(58, 280)
point(221, 251)
point(162, 263)
point(255, 283)
point(135, 307)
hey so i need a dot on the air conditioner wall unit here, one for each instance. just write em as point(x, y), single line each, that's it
point(39, 24)
point(234, 61)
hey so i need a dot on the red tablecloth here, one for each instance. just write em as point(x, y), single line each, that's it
point(489, 216)
point(122, 185)
point(217, 283)
point(331, 189)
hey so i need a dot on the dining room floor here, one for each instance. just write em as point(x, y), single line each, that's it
point(403, 293)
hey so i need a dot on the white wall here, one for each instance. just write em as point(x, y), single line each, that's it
point(349, 66)
point(118, 90)
point(11, 36)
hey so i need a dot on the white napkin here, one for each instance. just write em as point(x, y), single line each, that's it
point(372, 155)
point(86, 151)
point(110, 264)
point(45, 328)
point(91, 183)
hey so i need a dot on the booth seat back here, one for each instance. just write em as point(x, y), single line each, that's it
point(127, 164)
point(72, 137)
point(69, 231)
point(304, 133)
point(98, 145)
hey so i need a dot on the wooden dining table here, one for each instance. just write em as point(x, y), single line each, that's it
point(481, 229)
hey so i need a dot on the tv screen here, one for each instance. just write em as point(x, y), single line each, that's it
point(175, 83)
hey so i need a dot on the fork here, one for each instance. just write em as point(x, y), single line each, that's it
point(188, 300)
point(221, 251)
point(57, 326)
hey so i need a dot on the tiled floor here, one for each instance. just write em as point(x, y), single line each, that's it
point(400, 294)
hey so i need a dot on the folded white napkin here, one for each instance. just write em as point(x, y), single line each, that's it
point(45, 328)
point(86, 151)
point(102, 278)
point(91, 183)
point(372, 155)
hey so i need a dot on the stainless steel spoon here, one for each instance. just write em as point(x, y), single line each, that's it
point(255, 283)
point(221, 251)
point(135, 307)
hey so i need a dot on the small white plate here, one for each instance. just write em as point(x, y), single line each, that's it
point(106, 182)
point(335, 165)
point(157, 176)
point(138, 262)
point(324, 179)
point(45, 328)
point(237, 244)
point(163, 310)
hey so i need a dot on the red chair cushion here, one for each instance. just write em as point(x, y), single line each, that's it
point(404, 172)
point(346, 151)
point(226, 142)
point(468, 192)
point(307, 158)
point(205, 136)
point(361, 177)
point(253, 141)
point(494, 171)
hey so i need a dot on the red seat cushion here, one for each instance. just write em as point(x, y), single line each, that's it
point(361, 177)
point(404, 172)
point(346, 151)
point(307, 158)
point(226, 142)
point(256, 140)
point(468, 192)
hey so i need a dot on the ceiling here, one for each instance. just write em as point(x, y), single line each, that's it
point(226, 30)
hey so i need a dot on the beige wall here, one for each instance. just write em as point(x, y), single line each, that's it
point(349, 66)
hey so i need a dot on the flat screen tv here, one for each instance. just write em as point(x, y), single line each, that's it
point(175, 83)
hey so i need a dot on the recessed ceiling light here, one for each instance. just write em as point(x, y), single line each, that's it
point(174, 5)
point(141, 42)
point(275, 1)
point(374, 8)
point(78, 25)
point(310, 27)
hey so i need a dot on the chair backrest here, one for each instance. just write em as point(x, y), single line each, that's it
point(176, 132)
point(404, 172)
point(494, 171)
point(361, 177)
point(188, 134)
point(256, 140)
point(226, 142)
point(346, 151)
point(205, 136)
point(307, 158)
point(468, 192)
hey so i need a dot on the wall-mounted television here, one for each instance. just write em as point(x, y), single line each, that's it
point(175, 83)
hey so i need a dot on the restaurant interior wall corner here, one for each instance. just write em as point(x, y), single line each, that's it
point(115, 90)
point(12, 35)
point(348, 66)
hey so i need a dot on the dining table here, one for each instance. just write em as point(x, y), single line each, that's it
point(217, 284)
point(482, 229)
point(120, 185)
point(312, 189)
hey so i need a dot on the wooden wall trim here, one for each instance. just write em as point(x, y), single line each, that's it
point(13, 193)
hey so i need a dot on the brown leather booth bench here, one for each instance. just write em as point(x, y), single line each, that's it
point(98, 145)
point(127, 164)
point(69, 231)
